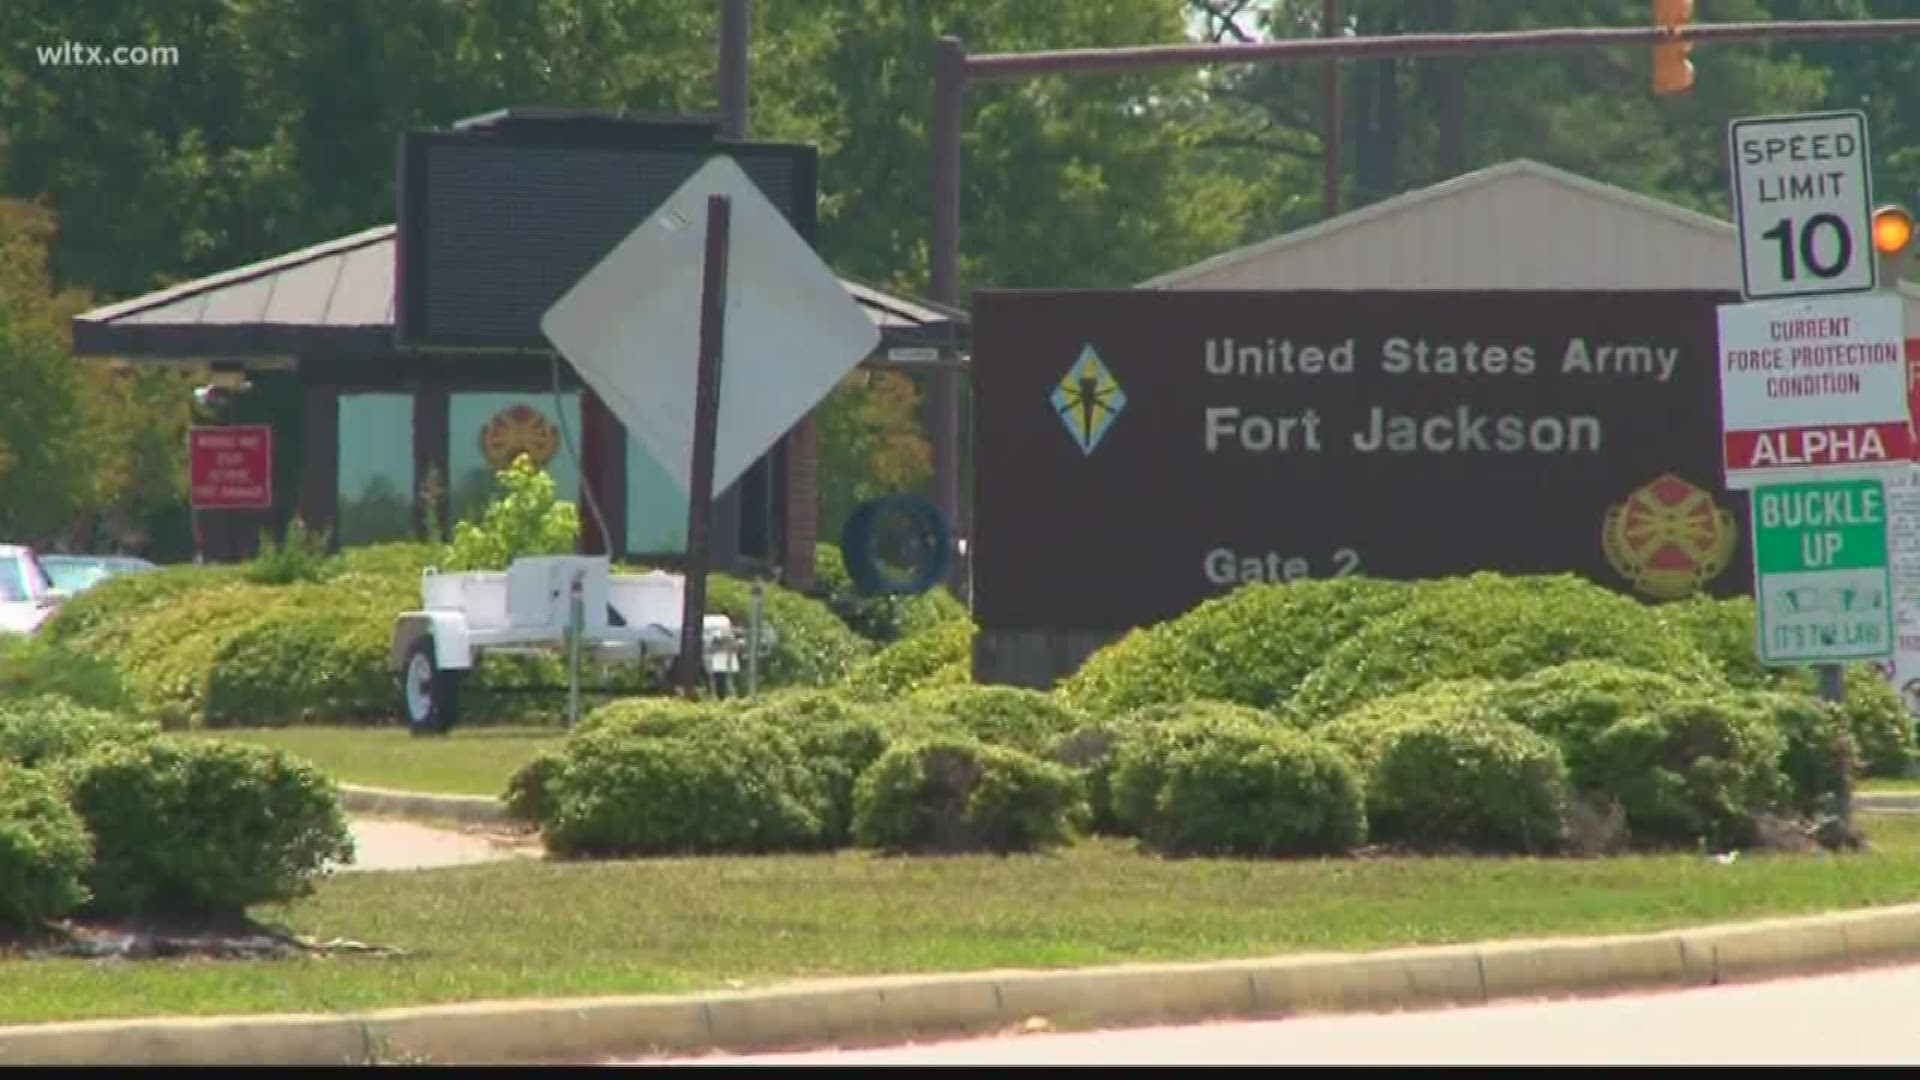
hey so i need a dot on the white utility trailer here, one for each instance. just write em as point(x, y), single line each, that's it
point(531, 608)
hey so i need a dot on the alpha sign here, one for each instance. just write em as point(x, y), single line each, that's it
point(1140, 451)
point(1824, 592)
point(1813, 388)
point(1803, 201)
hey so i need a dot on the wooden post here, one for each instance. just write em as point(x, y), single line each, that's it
point(706, 421)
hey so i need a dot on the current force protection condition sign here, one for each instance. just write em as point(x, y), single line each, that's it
point(1812, 388)
point(1823, 588)
point(1804, 205)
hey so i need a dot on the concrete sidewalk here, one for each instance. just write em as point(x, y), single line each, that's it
point(382, 844)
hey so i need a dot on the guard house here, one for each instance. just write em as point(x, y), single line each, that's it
point(378, 430)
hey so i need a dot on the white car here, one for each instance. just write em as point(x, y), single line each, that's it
point(27, 595)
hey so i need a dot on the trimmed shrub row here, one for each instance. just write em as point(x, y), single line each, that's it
point(958, 769)
point(107, 817)
point(1325, 648)
point(201, 647)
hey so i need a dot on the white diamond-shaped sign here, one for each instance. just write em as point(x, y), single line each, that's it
point(631, 327)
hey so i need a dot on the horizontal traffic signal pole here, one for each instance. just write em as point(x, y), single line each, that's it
point(1129, 58)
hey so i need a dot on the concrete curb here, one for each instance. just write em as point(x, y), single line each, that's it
point(471, 809)
point(1887, 800)
point(903, 1008)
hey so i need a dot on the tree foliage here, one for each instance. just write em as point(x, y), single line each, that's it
point(276, 129)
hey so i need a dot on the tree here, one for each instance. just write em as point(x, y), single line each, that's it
point(1411, 122)
point(870, 444)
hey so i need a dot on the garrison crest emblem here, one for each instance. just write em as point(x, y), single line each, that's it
point(1668, 538)
point(518, 430)
point(1088, 399)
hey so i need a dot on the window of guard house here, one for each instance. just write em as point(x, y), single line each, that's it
point(489, 430)
point(376, 491)
point(656, 509)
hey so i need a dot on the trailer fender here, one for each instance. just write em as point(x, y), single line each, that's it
point(452, 651)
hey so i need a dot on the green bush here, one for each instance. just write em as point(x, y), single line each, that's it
point(1093, 747)
point(838, 739)
point(1575, 703)
point(955, 794)
point(318, 652)
point(1244, 791)
point(524, 517)
point(1150, 738)
point(302, 556)
point(1253, 646)
point(203, 827)
point(1026, 720)
point(37, 731)
point(32, 667)
point(880, 618)
point(940, 657)
point(1474, 781)
point(44, 850)
point(1364, 732)
point(811, 646)
point(105, 613)
point(1882, 729)
point(1723, 631)
point(1816, 746)
point(727, 788)
point(403, 559)
point(529, 797)
point(1693, 771)
point(166, 652)
point(655, 716)
point(1883, 732)
point(1489, 626)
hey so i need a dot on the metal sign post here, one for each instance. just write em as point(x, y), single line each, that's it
point(706, 422)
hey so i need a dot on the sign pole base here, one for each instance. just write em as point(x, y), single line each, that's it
point(1833, 688)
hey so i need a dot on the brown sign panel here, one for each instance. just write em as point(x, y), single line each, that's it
point(1139, 451)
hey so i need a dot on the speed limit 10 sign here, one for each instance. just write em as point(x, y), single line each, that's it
point(1804, 205)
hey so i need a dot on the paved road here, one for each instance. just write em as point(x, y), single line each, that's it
point(1870, 1017)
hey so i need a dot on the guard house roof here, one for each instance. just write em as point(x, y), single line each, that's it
point(338, 296)
point(1518, 225)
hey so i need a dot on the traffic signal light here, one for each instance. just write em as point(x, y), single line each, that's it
point(1893, 242)
point(1672, 71)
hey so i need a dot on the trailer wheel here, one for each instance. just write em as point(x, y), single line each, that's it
point(429, 695)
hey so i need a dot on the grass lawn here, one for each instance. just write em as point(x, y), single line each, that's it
point(1905, 785)
point(538, 928)
point(471, 761)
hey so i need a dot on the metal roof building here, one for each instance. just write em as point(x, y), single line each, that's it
point(363, 424)
point(1517, 225)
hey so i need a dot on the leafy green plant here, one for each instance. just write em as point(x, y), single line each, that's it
point(1026, 720)
point(38, 730)
point(1489, 626)
point(199, 826)
point(524, 518)
point(1247, 791)
point(727, 788)
point(1252, 646)
point(1693, 771)
point(954, 794)
point(302, 556)
point(33, 667)
point(44, 850)
point(939, 657)
point(529, 797)
point(1475, 781)
point(1152, 737)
